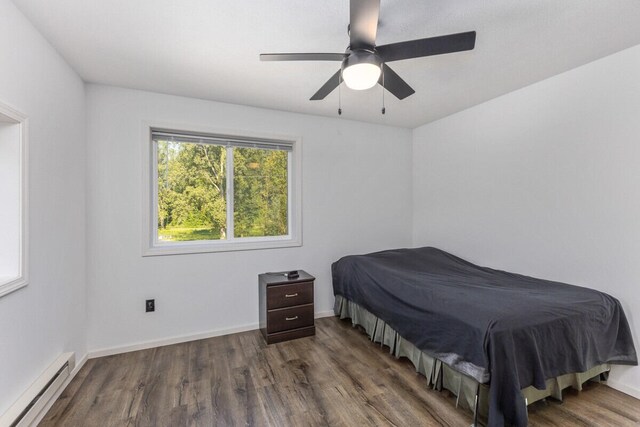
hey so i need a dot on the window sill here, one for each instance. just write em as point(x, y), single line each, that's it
point(10, 284)
point(183, 248)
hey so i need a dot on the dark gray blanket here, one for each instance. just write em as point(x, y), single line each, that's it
point(518, 329)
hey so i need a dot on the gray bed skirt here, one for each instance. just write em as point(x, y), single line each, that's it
point(439, 375)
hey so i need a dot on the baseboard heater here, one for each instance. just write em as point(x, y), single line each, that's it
point(31, 406)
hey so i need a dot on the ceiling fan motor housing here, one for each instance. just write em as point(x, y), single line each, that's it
point(361, 56)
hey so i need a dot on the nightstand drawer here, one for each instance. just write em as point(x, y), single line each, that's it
point(290, 318)
point(289, 295)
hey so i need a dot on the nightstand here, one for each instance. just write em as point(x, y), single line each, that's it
point(286, 306)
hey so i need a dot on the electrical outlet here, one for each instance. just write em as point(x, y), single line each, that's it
point(150, 305)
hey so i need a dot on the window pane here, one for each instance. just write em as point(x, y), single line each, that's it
point(191, 191)
point(11, 227)
point(260, 192)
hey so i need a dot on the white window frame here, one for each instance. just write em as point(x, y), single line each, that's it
point(150, 244)
point(13, 283)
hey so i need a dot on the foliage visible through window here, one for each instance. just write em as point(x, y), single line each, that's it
point(260, 192)
point(196, 189)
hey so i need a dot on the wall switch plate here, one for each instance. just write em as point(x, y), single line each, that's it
point(150, 305)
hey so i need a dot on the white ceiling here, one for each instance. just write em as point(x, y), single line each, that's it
point(209, 48)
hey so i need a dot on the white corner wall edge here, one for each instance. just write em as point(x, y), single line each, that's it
point(624, 388)
point(144, 345)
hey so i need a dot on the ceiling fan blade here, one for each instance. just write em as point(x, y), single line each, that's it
point(427, 47)
point(328, 87)
point(302, 56)
point(363, 24)
point(394, 83)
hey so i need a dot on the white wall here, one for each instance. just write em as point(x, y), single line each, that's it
point(356, 188)
point(543, 181)
point(39, 322)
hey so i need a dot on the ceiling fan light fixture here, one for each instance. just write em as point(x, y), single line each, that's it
point(361, 70)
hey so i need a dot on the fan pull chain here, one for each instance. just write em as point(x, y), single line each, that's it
point(339, 95)
point(384, 110)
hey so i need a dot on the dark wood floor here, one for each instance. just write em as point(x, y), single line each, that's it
point(336, 378)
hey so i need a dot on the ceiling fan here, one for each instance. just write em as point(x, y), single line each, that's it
point(364, 64)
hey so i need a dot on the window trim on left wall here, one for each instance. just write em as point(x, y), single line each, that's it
point(12, 116)
point(150, 247)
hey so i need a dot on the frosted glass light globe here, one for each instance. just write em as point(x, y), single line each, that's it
point(361, 76)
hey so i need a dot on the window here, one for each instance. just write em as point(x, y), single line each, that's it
point(212, 192)
point(13, 199)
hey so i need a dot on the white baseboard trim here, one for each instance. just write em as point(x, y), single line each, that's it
point(79, 366)
point(144, 345)
point(109, 351)
point(55, 397)
point(631, 391)
point(321, 314)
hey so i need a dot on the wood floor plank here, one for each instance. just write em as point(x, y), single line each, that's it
point(199, 411)
point(335, 378)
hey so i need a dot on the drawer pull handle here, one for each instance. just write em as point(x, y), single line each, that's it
point(290, 295)
point(291, 318)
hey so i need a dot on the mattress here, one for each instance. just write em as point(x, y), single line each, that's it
point(506, 329)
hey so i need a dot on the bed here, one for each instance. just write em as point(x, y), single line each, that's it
point(506, 331)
